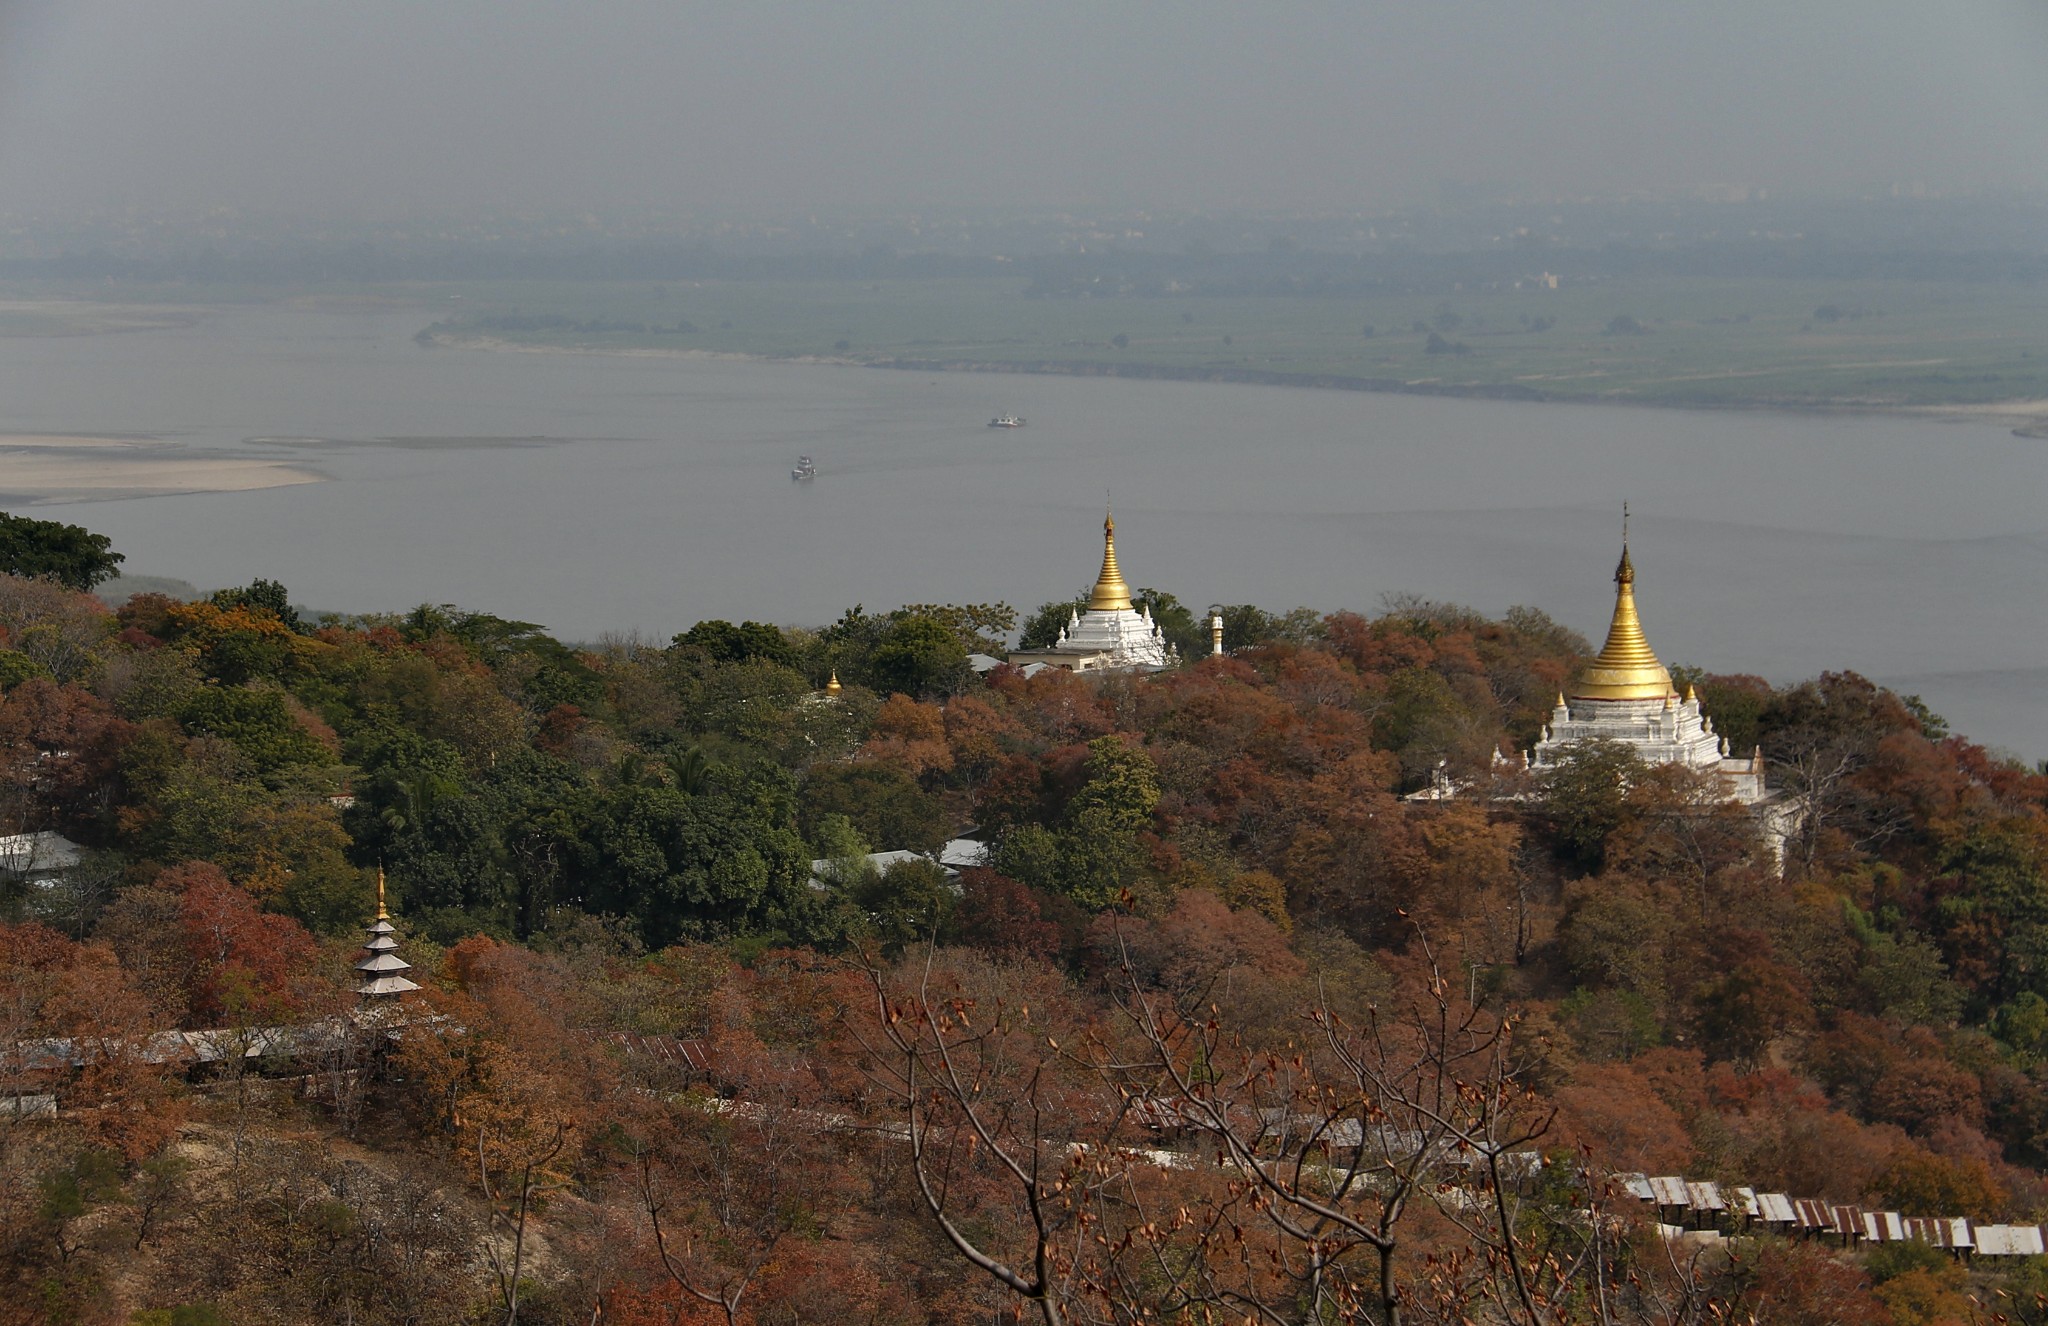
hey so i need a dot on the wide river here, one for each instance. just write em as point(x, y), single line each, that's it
point(1915, 552)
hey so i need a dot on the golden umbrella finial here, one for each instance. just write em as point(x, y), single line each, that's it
point(1110, 592)
point(382, 915)
point(832, 686)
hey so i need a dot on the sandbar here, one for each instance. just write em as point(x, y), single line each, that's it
point(81, 317)
point(52, 468)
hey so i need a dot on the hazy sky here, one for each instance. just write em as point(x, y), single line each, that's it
point(768, 106)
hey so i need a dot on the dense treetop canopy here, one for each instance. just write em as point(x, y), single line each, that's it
point(588, 845)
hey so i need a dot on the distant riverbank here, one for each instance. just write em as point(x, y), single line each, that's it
point(2026, 417)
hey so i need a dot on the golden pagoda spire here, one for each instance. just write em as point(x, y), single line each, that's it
point(832, 687)
point(1110, 592)
point(1626, 667)
point(382, 915)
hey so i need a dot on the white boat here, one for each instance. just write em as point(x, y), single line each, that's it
point(1007, 421)
point(806, 468)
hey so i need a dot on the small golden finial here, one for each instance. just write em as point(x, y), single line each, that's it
point(1692, 695)
point(382, 915)
point(832, 687)
point(1625, 573)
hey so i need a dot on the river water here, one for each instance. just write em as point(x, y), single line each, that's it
point(1913, 551)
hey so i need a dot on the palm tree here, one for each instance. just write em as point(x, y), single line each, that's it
point(688, 769)
point(417, 793)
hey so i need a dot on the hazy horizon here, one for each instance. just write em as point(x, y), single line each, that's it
point(388, 108)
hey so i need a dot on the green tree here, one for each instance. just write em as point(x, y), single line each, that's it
point(917, 656)
point(261, 723)
point(1120, 787)
point(1586, 796)
point(50, 550)
point(1613, 937)
point(723, 863)
point(883, 803)
point(845, 853)
point(263, 596)
point(722, 642)
point(754, 701)
point(911, 902)
point(17, 667)
point(1042, 628)
point(1996, 922)
point(1246, 626)
point(1903, 976)
point(66, 1195)
point(981, 628)
point(1094, 854)
point(1175, 621)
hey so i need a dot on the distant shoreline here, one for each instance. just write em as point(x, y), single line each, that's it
point(2026, 418)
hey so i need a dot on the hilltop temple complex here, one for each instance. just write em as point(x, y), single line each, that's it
point(1109, 634)
point(1626, 696)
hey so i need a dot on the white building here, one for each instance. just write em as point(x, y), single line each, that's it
point(42, 858)
point(1109, 634)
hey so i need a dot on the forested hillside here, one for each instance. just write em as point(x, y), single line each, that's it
point(1224, 1028)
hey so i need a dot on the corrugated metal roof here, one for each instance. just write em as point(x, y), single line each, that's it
point(692, 1054)
point(2008, 1240)
point(963, 854)
point(1745, 1202)
point(1704, 1197)
point(1669, 1190)
point(1776, 1208)
point(1636, 1186)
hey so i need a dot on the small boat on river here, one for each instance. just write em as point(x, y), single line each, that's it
point(806, 468)
point(1007, 421)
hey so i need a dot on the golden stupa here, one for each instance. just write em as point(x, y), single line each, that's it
point(1626, 667)
point(1110, 592)
point(832, 686)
